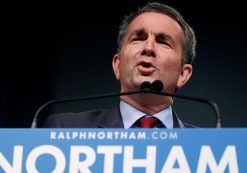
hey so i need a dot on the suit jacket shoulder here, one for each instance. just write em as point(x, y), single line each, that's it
point(108, 118)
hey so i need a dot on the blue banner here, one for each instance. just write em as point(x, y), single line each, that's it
point(124, 151)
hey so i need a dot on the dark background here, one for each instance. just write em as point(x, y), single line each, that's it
point(52, 51)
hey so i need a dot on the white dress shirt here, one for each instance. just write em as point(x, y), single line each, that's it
point(130, 115)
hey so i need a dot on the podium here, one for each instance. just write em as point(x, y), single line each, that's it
point(124, 150)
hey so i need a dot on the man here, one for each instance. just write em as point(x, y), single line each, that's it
point(155, 43)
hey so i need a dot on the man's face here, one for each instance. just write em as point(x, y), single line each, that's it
point(152, 50)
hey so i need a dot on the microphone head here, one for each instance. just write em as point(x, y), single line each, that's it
point(146, 86)
point(157, 85)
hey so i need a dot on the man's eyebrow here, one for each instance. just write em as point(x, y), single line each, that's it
point(138, 32)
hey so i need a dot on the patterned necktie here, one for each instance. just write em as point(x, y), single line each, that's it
point(148, 122)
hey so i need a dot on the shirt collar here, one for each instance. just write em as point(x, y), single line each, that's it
point(130, 115)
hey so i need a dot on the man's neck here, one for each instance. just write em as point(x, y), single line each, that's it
point(148, 103)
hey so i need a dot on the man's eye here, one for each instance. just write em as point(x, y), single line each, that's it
point(137, 39)
point(164, 42)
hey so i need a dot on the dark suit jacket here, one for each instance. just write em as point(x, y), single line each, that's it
point(108, 118)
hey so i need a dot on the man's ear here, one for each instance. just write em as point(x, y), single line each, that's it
point(185, 75)
point(116, 65)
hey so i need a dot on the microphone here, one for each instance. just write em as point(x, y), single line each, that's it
point(157, 86)
point(146, 87)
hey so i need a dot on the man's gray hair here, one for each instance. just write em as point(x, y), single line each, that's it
point(189, 42)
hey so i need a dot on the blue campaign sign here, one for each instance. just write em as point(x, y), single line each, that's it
point(124, 151)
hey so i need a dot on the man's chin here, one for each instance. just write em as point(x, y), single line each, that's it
point(151, 99)
point(143, 79)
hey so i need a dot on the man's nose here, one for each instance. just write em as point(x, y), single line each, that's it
point(149, 48)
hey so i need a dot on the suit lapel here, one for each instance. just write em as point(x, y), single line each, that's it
point(180, 124)
point(177, 123)
point(111, 119)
